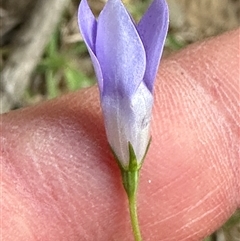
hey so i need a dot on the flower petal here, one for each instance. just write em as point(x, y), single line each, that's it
point(153, 29)
point(119, 50)
point(127, 120)
point(88, 27)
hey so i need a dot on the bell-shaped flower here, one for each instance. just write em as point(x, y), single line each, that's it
point(125, 57)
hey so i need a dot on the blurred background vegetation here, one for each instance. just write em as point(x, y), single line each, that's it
point(43, 55)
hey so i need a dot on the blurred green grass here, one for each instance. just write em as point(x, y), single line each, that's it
point(59, 69)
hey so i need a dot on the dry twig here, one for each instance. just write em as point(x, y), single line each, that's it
point(28, 48)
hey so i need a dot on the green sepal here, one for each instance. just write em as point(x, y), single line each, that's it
point(117, 160)
point(133, 164)
point(150, 140)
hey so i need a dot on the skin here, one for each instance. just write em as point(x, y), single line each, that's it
point(60, 181)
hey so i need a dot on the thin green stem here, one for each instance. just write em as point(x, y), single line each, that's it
point(134, 217)
point(130, 183)
point(130, 178)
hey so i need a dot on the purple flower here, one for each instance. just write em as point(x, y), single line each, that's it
point(125, 57)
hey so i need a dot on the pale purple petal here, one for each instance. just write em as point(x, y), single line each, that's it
point(128, 120)
point(119, 50)
point(88, 27)
point(153, 30)
point(125, 58)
